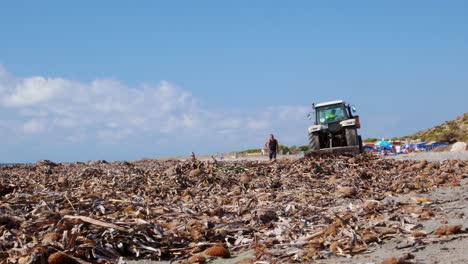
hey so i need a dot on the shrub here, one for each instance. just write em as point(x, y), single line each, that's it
point(450, 137)
point(304, 148)
point(249, 151)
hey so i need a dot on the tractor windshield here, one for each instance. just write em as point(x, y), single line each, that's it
point(331, 113)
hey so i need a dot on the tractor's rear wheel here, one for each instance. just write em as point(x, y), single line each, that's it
point(314, 141)
point(351, 136)
point(361, 149)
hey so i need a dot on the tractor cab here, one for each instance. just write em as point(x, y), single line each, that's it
point(330, 113)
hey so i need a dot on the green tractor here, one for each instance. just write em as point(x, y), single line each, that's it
point(334, 130)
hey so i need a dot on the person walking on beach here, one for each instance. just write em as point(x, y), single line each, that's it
point(272, 145)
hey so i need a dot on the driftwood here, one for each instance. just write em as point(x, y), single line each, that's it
point(95, 222)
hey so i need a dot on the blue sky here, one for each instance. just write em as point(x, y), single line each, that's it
point(125, 80)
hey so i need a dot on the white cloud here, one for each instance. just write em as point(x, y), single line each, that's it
point(108, 111)
point(101, 104)
point(33, 91)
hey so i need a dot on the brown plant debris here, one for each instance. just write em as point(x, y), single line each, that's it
point(60, 258)
point(405, 259)
point(218, 251)
point(102, 212)
point(197, 259)
point(446, 230)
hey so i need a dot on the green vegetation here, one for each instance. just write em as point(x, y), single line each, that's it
point(303, 148)
point(248, 151)
point(284, 149)
point(449, 131)
point(438, 129)
point(293, 148)
point(452, 125)
point(371, 140)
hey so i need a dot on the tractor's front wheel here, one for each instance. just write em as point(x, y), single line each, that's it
point(314, 141)
point(351, 136)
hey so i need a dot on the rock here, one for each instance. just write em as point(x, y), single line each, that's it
point(459, 146)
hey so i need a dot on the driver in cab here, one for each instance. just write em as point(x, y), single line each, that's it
point(331, 115)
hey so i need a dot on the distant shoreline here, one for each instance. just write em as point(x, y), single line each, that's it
point(9, 164)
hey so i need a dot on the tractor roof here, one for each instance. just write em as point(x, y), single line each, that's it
point(329, 103)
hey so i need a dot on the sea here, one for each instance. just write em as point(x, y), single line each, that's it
point(6, 164)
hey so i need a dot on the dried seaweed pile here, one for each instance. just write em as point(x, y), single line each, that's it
point(292, 211)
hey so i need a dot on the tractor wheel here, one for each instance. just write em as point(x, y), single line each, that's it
point(314, 142)
point(361, 149)
point(351, 136)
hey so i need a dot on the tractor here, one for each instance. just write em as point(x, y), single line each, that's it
point(334, 130)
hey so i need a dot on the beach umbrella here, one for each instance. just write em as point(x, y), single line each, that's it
point(382, 143)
